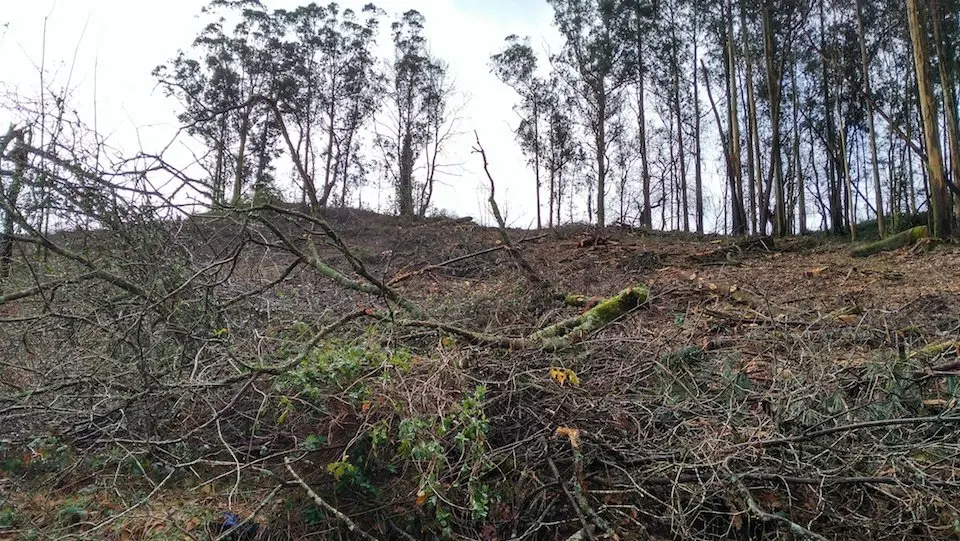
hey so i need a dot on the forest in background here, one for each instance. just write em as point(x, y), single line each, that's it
point(821, 113)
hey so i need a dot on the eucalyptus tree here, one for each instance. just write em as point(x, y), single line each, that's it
point(675, 100)
point(593, 60)
point(868, 92)
point(516, 66)
point(222, 91)
point(939, 196)
point(337, 91)
point(638, 25)
point(442, 112)
point(208, 89)
point(416, 85)
point(945, 34)
point(562, 148)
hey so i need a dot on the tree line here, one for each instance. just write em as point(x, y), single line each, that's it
point(814, 114)
point(306, 83)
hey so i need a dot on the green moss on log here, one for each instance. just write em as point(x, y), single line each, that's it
point(900, 240)
point(570, 331)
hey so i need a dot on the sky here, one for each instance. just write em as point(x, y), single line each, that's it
point(105, 51)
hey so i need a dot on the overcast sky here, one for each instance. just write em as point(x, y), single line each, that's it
point(106, 49)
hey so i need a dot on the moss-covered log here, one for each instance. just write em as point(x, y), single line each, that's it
point(900, 240)
point(552, 338)
point(571, 331)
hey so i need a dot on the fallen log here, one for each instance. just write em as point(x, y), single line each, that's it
point(894, 242)
point(558, 336)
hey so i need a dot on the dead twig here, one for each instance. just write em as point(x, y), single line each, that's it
point(323, 503)
point(458, 259)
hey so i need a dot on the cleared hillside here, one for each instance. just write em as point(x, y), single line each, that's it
point(764, 390)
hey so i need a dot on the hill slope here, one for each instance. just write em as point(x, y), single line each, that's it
point(764, 390)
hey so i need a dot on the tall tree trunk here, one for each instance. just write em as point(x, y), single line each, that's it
point(697, 168)
point(405, 188)
point(553, 180)
point(949, 99)
point(559, 197)
point(738, 216)
point(536, 157)
point(241, 155)
point(263, 160)
point(330, 174)
point(881, 221)
point(774, 89)
point(851, 208)
point(220, 170)
point(646, 215)
point(601, 143)
point(347, 151)
point(797, 164)
point(833, 184)
point(683, 202)
point(939, 196)
point(758, 215)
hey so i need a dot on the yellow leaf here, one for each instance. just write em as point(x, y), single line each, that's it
point(563, 375)
point(816, 272)
point(422, 497)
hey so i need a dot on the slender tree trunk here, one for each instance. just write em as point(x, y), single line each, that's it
point(241, 155)
point(738, 216)
point(601, 142)
point(851, 210)
point(553, 179)
point(347, 153)
point(406, 175)
point(559, 196)
point(910, 193)
point(881, 221)
point(697, 168)
point(536, 157)
point(758, 215)
point(797, 164)
point(264, 158)
point(833, 184)
point(939, 196)
point(683, 202)
point(949, 99)
point(329, 175)
point(774, 89)
point(220, 170)
point(646, 215)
